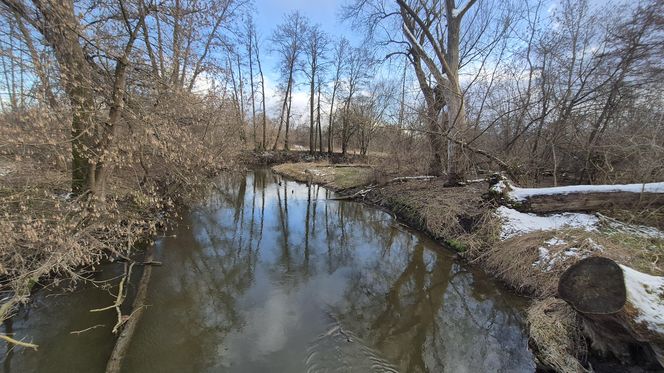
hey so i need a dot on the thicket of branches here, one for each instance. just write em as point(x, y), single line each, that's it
point(557, 93)
point(111, 111)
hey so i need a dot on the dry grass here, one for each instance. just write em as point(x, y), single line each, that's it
point(332, 176)
point(457, 215)
point(518, 260)
point(555, 331)
point(648, 216)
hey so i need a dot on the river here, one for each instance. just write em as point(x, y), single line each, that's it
point(270, 275)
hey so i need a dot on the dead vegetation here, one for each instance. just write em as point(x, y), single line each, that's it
point(335, 177)
point(49, 234)
point(555, 333)
point(531, 263)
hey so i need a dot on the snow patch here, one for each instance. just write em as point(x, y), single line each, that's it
point(646, 293)
point(547, 260)
point(516, 223)
point(499, 187)
point(555, 241)
point(633, 229)
point(521, 194)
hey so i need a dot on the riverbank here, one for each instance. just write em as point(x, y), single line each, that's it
point(526, 251)
point(324, 271)
point(51, 236)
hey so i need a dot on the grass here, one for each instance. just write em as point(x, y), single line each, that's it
point(351, 177)
point(554, 329)
point(333, 177)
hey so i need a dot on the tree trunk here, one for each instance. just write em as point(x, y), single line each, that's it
point(123, 342)
point(260, 70)
point(586, 197)
point(290, 103)
point(253, 96)
point(283, 113)
point(320, 133)
point(312, 93)
point(61, 33)
point(330, 132)
point(621, 307)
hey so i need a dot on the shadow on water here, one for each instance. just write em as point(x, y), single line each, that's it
point(269, 275)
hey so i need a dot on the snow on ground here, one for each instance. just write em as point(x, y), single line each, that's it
point(549, 257)
point(555, 241)
point(499, 187)
point(521, 194)
point(633, 229)
point(646, 293)
point(517, 223)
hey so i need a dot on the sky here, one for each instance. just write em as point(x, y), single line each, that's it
point(270, 13)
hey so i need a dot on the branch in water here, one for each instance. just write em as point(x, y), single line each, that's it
point(18, 343)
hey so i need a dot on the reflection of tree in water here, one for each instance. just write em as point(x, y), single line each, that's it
point(413, 304)
point(400, 319)
point(431, 319)
point(216, 251)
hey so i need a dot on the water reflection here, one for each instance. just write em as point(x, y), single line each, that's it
point(269, 275)
point(266, 266)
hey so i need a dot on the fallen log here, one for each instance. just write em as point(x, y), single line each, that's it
point(407, 178)
point(358, 165)
point(114, 364)
point(581, 197)
point(620, 307)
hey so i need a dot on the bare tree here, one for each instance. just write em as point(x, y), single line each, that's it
point(372, 112)
point(288, 40)
point(260, 71)
point(250, 31)
point(360, 64)
point(315, 48)
point(339, 67)
point(91, 139)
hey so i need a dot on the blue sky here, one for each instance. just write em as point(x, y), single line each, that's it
point(270, 13)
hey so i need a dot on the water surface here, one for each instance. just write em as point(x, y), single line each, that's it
point(270, 275)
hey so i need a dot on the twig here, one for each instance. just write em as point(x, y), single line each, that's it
point(121, 292)
point(18, 343)
point(406, 178)
point(87, 329)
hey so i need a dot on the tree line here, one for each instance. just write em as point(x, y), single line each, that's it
point(565, 92)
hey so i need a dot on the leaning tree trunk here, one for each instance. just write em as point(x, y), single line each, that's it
point(621, 307)
point(61, 32)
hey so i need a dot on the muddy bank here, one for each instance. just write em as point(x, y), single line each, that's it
point(468, 219)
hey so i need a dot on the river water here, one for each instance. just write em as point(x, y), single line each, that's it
point(270, 275)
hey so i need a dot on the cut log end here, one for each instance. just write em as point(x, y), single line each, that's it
point(594, 285)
